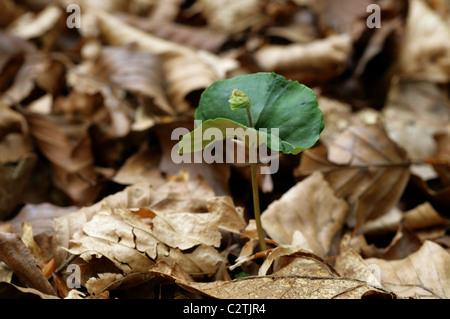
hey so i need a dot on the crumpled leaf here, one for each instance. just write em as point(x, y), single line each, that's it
point(134, 246)
point(424, 273)
point(309, 208)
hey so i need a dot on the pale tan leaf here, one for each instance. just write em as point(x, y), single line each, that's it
point(311, 208)
point(314, 62)
point(422, 216)
point(232, 16)
point(425, 53)
point(226, 215)
point(135, 71)
point(141, 167)
point(424, 273)
point(413, 114)
point(350, 264)
point(293, 286)
point(29, 26)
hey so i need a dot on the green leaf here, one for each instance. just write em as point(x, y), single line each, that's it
point(219, 129)
point(276, 103)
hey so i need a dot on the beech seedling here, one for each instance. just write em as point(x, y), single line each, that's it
point(260, 108)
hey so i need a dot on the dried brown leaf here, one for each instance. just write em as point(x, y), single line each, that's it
point(29, 26)
point(67, 145)
point(424, 273)
point(15, 254)
point(309, 208)
point(134, 246)
point(14, 179)
point(425, 54)
point(314, 62)
point(364, 166)
point(292, 286)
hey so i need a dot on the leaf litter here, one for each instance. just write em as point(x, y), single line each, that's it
point(87, 179)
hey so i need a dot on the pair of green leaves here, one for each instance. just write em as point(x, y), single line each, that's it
point(285, 114)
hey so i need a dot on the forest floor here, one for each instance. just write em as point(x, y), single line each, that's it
point(92, 91)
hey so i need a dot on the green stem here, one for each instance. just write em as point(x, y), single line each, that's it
point(255, 191)
point(239, 100)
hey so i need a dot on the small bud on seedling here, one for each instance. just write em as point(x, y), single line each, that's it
point(239, 100)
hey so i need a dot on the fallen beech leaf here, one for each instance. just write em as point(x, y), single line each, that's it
point(141, 167)
point(292, 286)
point(413, 114)
point(15, 254)
point(186, 69)
point(232, 16)
point(364, 166)
point(425, 53)
point(134, 246)
point(226, 215)
point(195, 37)
point(28, 239)
point(28, 27)
point(135, 71)
point(314, 62)
point(424, 273)
point(67, 145)
point(310, 208)
point(350, 264)
point(422, 216)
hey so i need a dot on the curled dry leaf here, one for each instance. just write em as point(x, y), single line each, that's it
point(314, 62)
point(363, 166)
point(424, 273)
point(15, 254)
point(310, 208)
point(28, 26)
